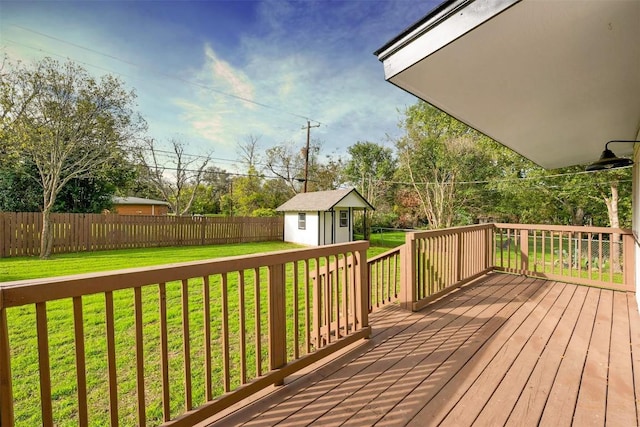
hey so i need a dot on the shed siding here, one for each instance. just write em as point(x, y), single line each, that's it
point(352, 200)
point(308, 236)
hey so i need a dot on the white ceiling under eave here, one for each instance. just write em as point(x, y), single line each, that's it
point(554, 80)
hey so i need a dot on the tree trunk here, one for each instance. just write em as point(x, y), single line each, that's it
point(614, 221)
point(46, 239)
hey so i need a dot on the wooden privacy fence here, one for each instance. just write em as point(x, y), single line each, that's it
point(20, 232)
point(174, 345)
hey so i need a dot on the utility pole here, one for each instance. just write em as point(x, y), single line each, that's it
point(306, 153)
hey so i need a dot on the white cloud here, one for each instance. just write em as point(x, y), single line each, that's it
point(231, 79)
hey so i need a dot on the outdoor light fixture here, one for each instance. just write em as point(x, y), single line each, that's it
point(608, 160)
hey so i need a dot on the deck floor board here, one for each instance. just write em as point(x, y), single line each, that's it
point(504, 350)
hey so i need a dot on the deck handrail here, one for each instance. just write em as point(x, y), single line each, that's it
point(308, 316)
point(384, 278)
point(284, 310)
point(595, 256)
point(436, 262)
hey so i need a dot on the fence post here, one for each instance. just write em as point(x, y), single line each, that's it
point(408, 273)
point(524, 251)
point(629, 258)
point(362, 287)
point(277, 318)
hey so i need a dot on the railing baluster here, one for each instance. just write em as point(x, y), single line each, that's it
point(111, 358)
point(140, 395)
point(258, 319)
point(224, 296)
point(242, 328)
point(296, 326)
point(317, 304)
point(206, 301)
point(186, 344)
point(81, 376)
point(164, 352)
point(307, 317)
point(328, 298)
point(43, 364)
point(345, 287)
point(277, 318)
point(336, 291)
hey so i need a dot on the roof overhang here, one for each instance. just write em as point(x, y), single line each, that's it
point(552, 80)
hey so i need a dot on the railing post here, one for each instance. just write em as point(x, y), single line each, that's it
point(277, 318)
point(524, 251)
point(408, 273)
point(6, 393)
point(362, 287)
point(629, 260)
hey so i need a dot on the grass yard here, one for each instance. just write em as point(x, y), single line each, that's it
point(386, 238)
point(565, 257)
point(23, 339)
point(87, 262)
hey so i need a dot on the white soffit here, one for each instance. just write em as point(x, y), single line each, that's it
point(551, 79)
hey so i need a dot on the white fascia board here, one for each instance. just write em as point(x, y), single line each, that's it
point(438, 31)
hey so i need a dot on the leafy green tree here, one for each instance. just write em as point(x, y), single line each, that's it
point(326, 175)
point(440, 159)
point(208, 194)
point(19, 192)
point(371, 168)
point(65, 122)
point(276, 192)
point(248, 194)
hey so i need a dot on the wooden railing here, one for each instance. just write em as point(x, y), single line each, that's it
point(384, 278)
point(176, 344)
point(593, 256)
point(438, 261)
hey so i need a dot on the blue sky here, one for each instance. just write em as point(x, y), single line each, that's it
point(213, 73)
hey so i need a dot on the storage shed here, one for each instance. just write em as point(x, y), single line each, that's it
point(139, 206)
point(322, 217)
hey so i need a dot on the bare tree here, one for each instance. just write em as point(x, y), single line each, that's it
point(249, 152)
point(174, 173)
point(285, 162)
point(66, 123)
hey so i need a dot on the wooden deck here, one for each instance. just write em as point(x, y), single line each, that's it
point(507, 350)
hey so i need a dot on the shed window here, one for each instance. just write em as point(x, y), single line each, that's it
point(302, 221)
point(344, 219)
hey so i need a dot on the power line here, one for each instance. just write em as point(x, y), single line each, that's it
point(526, 178)
point(178, 78)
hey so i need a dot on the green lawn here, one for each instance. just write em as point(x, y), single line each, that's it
point(23, 339)
point(385, 238)
point(87, 262)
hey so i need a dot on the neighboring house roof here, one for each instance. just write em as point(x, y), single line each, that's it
point(137, 201)
point(321, 201)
